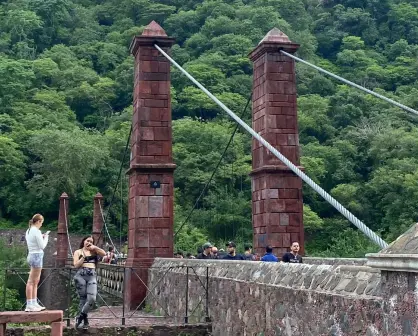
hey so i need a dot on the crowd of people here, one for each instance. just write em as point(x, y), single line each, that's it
point(208, 251)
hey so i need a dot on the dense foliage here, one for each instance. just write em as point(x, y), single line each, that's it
point(65, 108)
point(13, 273)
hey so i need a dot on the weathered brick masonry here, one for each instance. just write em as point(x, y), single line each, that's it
point(276, 190)
point(150, 208)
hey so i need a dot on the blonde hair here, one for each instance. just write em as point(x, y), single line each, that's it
point(35, 218)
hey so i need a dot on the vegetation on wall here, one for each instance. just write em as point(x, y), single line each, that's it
point(66, 81)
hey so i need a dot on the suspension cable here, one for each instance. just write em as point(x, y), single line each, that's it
point(105, 226)
point(66, 227)
point(347, 214)
point(117, 180)
point(391, 101)
point(216, 168)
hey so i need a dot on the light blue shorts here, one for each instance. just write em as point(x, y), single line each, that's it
point(35, 260)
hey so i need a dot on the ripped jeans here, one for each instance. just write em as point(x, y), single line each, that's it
point(86, 286)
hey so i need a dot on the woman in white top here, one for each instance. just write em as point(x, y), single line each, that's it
point(36, 242)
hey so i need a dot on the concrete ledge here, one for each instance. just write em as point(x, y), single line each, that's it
point(393, 262)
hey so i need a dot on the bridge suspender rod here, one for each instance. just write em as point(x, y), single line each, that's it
point(347, 214)
point(391, 101)
point(105, 226)
point(66, 227)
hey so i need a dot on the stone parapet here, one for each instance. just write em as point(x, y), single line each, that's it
point(341, 279)
point(256, 298)
point(335, 261)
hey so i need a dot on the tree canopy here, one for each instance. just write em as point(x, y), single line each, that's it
point(66, 82)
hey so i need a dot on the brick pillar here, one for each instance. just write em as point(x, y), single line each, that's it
point(151, 192)
point(276, 190)
point(62, 238)
point(98, 220)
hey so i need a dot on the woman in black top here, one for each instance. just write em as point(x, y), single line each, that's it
point(85, 259)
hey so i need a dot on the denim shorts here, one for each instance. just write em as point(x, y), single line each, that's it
point(35, 260)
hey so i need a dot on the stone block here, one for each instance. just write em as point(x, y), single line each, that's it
point(284, 219)
point(168, 206)
point(162, 133)
point(159, 223)
point(295, 219)
point(258, 220)
point(276, 205)
point(292, 205)
point(277, 229)
point(153, 76)
point(147, 133)
point(275, 239)
point(286, 239)
point(155, 206)
point(293, 229)
point(141, 206)
point(289, 193)
point(155, 103)
point(142, 238)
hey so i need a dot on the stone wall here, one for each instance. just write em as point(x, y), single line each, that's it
point(335, 261)
point(256, 298)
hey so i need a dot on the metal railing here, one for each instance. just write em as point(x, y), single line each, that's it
point(111, 280)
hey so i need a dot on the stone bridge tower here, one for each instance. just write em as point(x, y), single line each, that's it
point(151, 170)
point(276, 190)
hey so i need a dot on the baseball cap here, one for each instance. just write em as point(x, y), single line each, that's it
point(207, 245)
point(231, 244)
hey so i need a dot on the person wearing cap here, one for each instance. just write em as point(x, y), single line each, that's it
point(232, 254)
point(207, 251)
point(248, 255)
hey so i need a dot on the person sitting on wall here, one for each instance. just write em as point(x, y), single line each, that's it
point(207, 251)
point(232, 252)
point(293, 256)
point(269, 256)
point(179, 255)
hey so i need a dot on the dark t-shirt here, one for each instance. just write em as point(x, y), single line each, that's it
point(236, 257)
point(291, 258)
point(203, 256)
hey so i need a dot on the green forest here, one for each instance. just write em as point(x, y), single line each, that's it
point(66, 82)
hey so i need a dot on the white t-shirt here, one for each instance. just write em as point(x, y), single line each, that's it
point(34, 240)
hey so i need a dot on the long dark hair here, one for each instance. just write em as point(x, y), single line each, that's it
point(84, 239)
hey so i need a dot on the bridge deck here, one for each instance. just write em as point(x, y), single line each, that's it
point(105, 317)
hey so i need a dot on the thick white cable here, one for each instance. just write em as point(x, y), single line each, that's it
point(105, 225)
point(347, 214)
point(404, 107)
point(66, 227)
